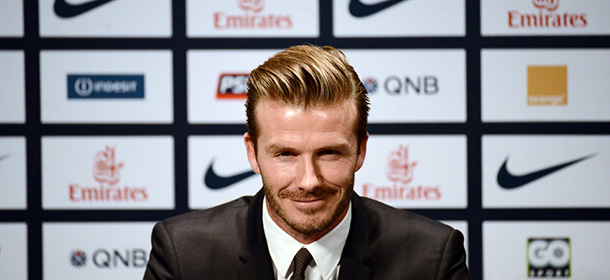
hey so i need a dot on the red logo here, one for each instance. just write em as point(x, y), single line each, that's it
point(549, 5)
point(232, 86)
point(400, 172)
point(252, 19)
point(546, 17)
point(255, 6)
point(107, 172)
point(399, 169)
point(105, 169)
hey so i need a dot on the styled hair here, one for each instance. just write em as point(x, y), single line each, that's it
point(306, 76)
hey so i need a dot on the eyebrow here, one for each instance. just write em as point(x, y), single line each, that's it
point(278, 147)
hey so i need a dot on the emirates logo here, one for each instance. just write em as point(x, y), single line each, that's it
point(399, 169)
point(105, 168)
point(107, 172)
point(547, 17)
point(399, 172)
point(254, 6)
point(252, 18)
point(549, 5)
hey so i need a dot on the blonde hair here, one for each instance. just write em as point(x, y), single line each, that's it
point(307, 76)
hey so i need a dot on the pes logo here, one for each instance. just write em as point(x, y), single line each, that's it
point(548, 257)
point(232, 86)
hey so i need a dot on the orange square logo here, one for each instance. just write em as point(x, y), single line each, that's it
point(547, 85)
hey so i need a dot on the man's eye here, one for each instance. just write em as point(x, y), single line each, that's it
point(329, 152)
point(284, 154)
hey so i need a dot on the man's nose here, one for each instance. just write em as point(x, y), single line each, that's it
point(310, 174)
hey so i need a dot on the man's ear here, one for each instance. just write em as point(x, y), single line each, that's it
point(362, 152)
point(251, 152)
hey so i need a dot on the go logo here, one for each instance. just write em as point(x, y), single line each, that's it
point(548, 257)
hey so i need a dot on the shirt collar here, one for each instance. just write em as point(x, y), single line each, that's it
point(326, 251)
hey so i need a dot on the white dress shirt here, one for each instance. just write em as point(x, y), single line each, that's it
point(326, 251)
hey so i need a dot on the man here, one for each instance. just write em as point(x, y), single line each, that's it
point(307, 132)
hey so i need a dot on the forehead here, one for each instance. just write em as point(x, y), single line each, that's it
point(274, 116)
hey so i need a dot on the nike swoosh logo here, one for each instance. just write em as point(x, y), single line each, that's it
point(509, 181)
point(215, 182)
point(64, 9)
point(3, 157)
point(359, 9)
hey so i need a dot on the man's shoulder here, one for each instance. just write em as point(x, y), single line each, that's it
point(391, 220)
point(224, 215)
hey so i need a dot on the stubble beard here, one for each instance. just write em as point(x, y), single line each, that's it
point(312, 224)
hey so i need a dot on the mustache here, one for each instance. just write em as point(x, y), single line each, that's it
point(300, 194)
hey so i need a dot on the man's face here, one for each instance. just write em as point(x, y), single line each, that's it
point(307, 159)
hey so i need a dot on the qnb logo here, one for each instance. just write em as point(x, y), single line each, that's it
point(548, 257)
point(232, 86)
point(106, 171)
point(78, 258)
point(252, 18)
point(370, 84)
point(421, 85)
point(105, 86)
point(400, 172)
point(546, 17)
point(111, 259)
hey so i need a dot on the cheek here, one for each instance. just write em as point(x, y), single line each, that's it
point(337, 173)
point(277, 175)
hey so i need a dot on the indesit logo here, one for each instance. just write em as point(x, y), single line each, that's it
point(232, 86)
point(111, 258)
point(400, 172)
point(105, 86)
point(421, 85)
point(547, 85)
point(252, 18)
point(106, 171)
point(548, 257)
point(546, 17)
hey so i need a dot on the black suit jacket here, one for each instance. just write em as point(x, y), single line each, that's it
point(228, 242)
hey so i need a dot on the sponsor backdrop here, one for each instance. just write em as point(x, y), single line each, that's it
point(491, 116)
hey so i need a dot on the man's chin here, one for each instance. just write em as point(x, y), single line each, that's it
point(309, 223)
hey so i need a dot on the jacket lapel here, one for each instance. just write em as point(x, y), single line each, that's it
point(356, 252)
point(255, 261)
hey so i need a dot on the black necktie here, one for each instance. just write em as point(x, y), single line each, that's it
point(301, 261)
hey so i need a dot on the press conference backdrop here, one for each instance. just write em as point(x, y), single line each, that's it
point(491, 116)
